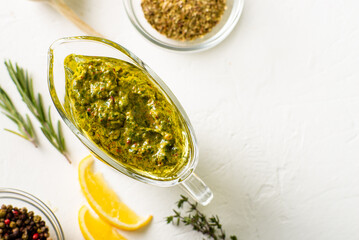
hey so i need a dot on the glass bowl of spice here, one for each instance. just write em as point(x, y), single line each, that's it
point(23, 216)
point(188, 26)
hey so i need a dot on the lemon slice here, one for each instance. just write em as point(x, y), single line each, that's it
point(94, 228)
point(104, 200)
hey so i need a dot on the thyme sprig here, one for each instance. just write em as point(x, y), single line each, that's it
point(24, 85)
point(24, 125)
point(210, 227)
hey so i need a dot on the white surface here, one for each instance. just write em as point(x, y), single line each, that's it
point(275, 108)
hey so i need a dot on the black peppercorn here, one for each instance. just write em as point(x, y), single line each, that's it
point(18, 222)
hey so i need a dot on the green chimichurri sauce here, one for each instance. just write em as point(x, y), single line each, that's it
point(124, 113)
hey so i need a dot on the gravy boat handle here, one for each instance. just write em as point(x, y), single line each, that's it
point(197, 189)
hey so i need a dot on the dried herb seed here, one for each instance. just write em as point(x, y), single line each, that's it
point(183, 20)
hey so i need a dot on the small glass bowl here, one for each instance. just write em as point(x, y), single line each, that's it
point(20, 199)
point(229, 19)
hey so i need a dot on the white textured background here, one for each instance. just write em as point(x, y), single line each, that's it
point(275, 108)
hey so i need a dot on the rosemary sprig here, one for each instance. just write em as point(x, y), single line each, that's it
point(24, 125)
point(23, 83)
point(209, 227)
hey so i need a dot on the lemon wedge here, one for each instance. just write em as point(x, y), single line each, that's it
point(94, 228)
point(104, 200)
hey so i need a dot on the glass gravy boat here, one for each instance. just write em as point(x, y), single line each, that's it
point(95, 46)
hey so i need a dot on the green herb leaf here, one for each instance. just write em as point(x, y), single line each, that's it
point(169, 219)
point(209, 227)
point(23, 83)
point(24, 125)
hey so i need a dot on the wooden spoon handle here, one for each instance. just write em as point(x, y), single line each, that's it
point(65, 10)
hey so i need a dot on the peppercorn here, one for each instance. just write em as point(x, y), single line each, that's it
point(19, 224)
point(24, 236)
point(35, 236)
point(16, 231)
point(12, 224)
point(37, 219)
point(2, 213)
